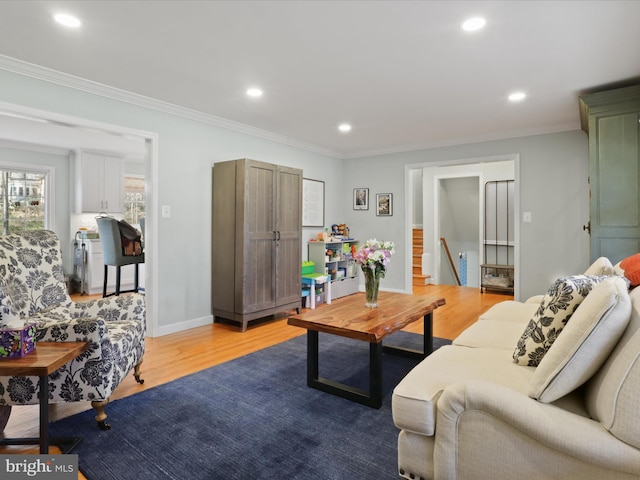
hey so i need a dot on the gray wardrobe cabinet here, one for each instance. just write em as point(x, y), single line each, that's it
point(256, 240)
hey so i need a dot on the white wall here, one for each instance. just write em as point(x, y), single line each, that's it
point(553, 173)
point(187, 149)
point(418, 197)
point(459, 220)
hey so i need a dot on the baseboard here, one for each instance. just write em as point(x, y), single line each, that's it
point(181, 326)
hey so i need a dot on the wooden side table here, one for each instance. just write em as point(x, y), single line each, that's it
point(43, 361)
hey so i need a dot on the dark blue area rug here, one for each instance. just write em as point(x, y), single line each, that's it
point(253, 417)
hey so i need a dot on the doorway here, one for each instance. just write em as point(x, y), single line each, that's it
point(458, 230)
point(427, 215)
point(21, 124)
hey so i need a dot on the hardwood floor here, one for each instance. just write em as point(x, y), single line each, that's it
point(204, 347)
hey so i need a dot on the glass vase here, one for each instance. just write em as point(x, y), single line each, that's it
point(371, 285)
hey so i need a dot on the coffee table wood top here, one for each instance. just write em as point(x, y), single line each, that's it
point(44, 360)
point(348, 317)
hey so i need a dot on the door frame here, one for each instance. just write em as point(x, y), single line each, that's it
point(151, 192)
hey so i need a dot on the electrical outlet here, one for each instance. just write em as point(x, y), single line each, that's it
point(166, 211)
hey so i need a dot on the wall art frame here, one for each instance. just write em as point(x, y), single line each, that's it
point(361, 199)
point(384, 204)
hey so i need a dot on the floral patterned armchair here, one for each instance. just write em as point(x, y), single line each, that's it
point(32, 287)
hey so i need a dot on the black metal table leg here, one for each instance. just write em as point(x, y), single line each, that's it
point(312, 357)
point(373, 398)
point(428, 334)
point(44, 414)
point(427, 348)
point(375, 375)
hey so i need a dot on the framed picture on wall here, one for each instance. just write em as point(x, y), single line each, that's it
point(361, 199)
point(384, 204)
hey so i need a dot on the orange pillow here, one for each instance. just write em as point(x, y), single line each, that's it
point(631, 267)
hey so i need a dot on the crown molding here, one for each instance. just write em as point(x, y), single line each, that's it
point(53, 76)
point(71, 81)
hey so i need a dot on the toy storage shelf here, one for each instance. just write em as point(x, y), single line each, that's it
point(335, 259)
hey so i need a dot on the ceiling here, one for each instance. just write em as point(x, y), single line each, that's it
point(402, 73)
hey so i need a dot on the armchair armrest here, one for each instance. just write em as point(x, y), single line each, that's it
point(473, 411)
point(113, 309)
point(54, 326)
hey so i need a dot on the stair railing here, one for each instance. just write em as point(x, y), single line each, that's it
point(453, 267)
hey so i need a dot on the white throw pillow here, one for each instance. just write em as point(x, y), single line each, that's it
point(555, 310)
point(617, 269)
point(602, 266)
point(586, 342)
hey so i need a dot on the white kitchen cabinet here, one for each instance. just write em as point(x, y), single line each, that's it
point(99, 183)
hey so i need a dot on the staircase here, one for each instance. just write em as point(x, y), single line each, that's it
point(418, 278)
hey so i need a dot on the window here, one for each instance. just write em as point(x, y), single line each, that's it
point(134, 199)
point(24, 199)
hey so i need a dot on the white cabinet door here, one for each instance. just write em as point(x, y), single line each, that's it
point(99, 183)
point(113, 185)
point(91, 180)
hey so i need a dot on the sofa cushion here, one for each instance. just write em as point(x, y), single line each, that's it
point(499, 327)
point(491, 334)
point(611, 395)
point(555, 310)
point(511, 311)
point(416, 396)
point(585, 343)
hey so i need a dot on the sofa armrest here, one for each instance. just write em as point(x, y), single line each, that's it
point(470, 413)
point(537, 299)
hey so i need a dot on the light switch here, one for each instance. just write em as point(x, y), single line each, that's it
point(166, 211)
point(526, 217)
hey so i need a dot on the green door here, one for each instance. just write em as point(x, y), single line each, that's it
point(612, 120)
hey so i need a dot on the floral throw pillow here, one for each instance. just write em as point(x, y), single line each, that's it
point(555, 310)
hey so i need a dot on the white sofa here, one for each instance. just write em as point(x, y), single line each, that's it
point(469, 412)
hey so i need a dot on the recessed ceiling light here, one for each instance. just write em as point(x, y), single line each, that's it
point(517, 96)
point(344, 128)
point(474, 24)
point(67, 20)
point(254, 92)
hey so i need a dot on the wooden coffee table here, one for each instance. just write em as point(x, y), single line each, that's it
point(348, 317)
